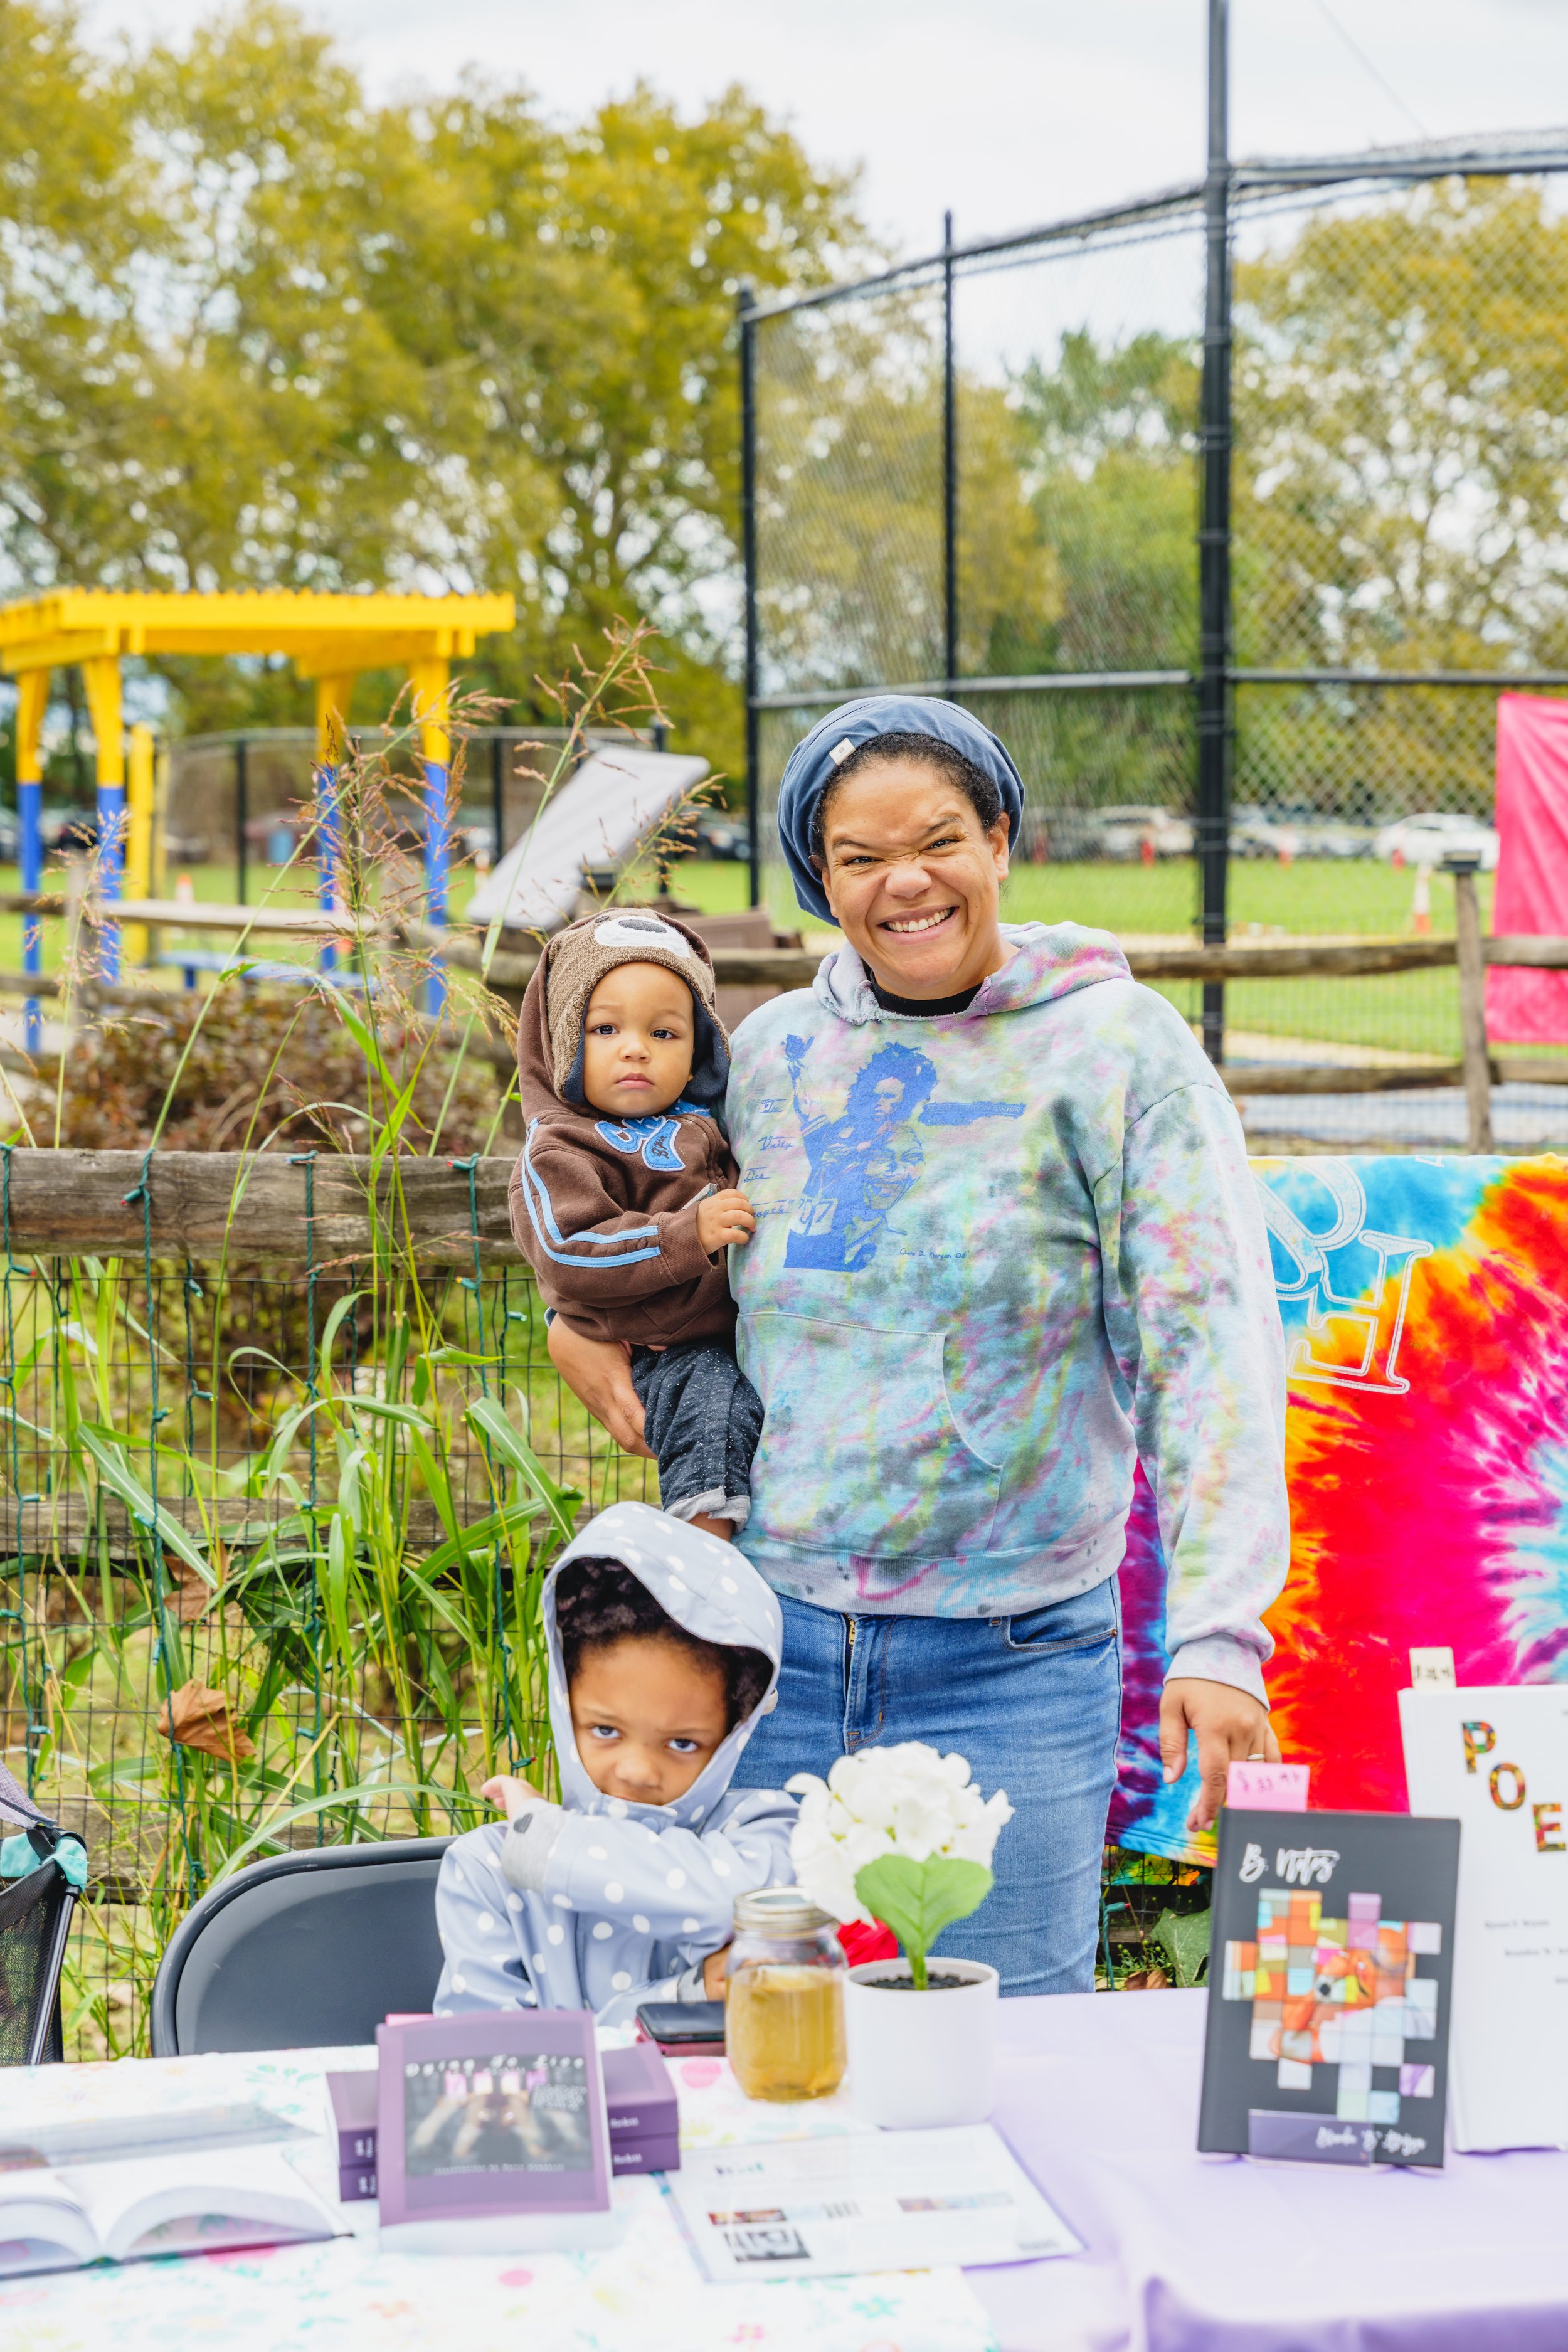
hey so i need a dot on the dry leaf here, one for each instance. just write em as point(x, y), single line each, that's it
point(199, 1717)
point(1152, 1980)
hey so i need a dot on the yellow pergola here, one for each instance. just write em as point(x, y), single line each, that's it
point(329, 638)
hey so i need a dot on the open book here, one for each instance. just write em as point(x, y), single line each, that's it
point(57, 2217)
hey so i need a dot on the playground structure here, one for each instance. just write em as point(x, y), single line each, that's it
point(329, 639)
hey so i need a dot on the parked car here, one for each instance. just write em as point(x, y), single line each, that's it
point(1123, 833)
point(1427, 838)
point(1293, 832)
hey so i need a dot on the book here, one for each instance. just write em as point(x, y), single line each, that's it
point(62, 2216)
point(863, 2202)
point(1498, 1757)
point(491, 2133)
point(1330, 1965)
point(640, 2111)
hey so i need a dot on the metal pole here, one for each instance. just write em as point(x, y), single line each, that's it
point(1214, 536)
point(1471, 957)
point(949, 469)
point(241, 814)
point(749, 562)
point(498, 796)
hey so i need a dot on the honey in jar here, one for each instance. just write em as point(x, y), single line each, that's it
point(784, 1998)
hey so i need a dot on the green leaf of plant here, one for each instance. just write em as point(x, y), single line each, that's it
point(139, 1502)
point(1182, 1939)
point(918, 1899)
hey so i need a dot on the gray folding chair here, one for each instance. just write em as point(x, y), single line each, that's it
point(35, 1923)
point(303, 1950)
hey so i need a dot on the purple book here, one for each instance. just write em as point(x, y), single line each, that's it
point(639, 2095)
point(639, 2100)
point(353, 2098)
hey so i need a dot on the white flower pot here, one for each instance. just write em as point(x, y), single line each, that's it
point(920, 2058)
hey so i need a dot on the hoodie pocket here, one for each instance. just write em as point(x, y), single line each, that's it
point(860, 1450)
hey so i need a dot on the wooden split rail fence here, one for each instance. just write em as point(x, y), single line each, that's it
point(1477, 1069)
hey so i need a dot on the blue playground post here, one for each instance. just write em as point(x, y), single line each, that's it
point(430, 680)
point(100, 676)
point(437, 865)
point(328, 848)
point(30, 829)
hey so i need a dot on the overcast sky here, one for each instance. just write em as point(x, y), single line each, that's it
point(1012, 111)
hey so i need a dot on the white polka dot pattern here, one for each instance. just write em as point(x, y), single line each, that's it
point(555, 1933)
point(613, 1891)
point(487, 1924)
point(621, 1982)
point(639, 1923)
point(603, 1931)
point(675, 1878)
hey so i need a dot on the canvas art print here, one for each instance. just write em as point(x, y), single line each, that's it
point(1329, 1988)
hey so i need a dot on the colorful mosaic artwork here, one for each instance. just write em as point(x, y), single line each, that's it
point(1340, 1992)
point(1426, 1312)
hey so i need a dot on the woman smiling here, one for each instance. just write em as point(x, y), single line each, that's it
point(1008, 1247)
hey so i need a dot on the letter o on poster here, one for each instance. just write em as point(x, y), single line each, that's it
point(1512, 1801)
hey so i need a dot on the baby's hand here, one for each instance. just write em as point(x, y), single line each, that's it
point(723, 1218)
point(514, 1794)
point(713, 1973)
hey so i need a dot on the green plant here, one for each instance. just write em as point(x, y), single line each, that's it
point(918, 1899)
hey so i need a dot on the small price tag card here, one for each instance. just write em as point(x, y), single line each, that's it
point(1268, 1788)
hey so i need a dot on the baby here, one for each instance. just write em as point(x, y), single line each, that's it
point(623, 1199)
point(664, 1654)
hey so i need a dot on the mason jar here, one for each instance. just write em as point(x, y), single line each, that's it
point(783, 1997)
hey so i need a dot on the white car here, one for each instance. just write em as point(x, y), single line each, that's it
point(1429, 838)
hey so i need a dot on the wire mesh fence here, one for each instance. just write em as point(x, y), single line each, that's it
point(238, 1611)
point(1398, 473)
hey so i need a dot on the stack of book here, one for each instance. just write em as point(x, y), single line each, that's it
point(640, 2098)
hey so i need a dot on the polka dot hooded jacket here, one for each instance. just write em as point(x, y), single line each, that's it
point(633, 1897)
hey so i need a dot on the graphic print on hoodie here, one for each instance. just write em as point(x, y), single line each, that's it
point(1000, 1255)
point(634, 1896)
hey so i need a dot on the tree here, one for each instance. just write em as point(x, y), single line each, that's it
point(258, 331)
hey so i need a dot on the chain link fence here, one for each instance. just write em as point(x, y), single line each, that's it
point(1398, 477)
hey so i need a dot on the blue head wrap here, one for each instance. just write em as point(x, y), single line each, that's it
point(812, 767)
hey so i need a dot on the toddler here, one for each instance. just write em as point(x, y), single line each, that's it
point(664, 1651)
point(624, 1199)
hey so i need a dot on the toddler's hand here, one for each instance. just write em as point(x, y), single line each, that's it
point(723, 1218)
point(713, 1974)
point(514, 1794)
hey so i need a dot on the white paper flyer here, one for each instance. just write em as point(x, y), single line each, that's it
point(864, 2201)
point(1497, 1760)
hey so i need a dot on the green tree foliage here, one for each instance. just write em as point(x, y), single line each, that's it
point(258, 331)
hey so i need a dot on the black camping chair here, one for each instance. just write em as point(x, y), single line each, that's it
point(34, 1922)
point(303, 1950)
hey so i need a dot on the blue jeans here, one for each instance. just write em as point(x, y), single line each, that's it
point(1034, 1702)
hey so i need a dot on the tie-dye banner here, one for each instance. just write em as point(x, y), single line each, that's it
point(1425, 1311)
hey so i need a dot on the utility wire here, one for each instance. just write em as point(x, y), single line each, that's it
point(1361, 58)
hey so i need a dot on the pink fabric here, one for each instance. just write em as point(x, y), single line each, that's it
point(1531, 1007)
point(1097, 2095)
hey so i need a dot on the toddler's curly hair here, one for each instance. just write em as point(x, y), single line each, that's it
point(599, 1603)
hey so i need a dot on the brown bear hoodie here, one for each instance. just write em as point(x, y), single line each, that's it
point(605, 1209)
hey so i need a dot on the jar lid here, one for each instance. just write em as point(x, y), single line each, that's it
point(779, 1911)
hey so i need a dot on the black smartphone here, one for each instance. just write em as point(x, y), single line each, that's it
point(683, 2027)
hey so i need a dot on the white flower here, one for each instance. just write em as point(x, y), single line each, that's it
point(906, 1799)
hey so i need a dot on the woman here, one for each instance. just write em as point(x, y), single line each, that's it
point(1007, 1246)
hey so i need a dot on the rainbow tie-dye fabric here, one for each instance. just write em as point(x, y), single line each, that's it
point(1426, 1312)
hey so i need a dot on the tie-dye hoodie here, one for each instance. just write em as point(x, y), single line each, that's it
point(1000, 1255)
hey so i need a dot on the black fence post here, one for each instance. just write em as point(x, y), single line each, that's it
point(749, 560)
point(949, 467)
point(242, 815)
point(1214, 536)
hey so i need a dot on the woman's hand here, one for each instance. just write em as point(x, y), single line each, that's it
point(723, 1218)
point(1229, 1723)
point(516, 1795)
point(598, 1373)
